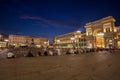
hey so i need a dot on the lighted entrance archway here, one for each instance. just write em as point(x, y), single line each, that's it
point(99, 38)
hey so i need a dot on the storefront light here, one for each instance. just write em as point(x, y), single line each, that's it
point(6, 40)
point(72, 38)
point(100, 34)
point(58, 40)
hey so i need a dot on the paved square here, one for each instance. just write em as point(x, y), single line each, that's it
point(91, 66)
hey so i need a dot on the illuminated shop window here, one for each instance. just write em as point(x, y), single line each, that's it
point(115, 30)
point(118, 43)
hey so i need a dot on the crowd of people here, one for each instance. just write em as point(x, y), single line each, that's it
point(33, 52)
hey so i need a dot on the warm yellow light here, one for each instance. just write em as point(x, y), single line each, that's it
point(72, 38)
point(45, 42)
point(38, 46)
point(6, 40)
point(115, 30)
point(58, 40)
point(100, 34)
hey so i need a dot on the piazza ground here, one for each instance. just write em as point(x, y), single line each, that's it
point(91, 66)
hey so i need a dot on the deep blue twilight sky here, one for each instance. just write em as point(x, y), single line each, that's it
point(49, 18)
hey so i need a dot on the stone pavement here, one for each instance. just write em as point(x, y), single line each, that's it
point(93, 66)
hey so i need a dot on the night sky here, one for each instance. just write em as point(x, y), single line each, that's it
point(48, 18)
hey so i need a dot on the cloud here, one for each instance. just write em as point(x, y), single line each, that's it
point(29, 17)
point(56, 23)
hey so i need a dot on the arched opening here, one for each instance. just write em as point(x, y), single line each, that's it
point(99, 38)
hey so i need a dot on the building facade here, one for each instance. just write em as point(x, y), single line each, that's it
point(70, 40)
point(3, 40)
point(19, 40)
point(102, 33)
point(99, 34)
point(117, 36)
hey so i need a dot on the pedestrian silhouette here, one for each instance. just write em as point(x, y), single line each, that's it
point(45, 53)
point(30, 54)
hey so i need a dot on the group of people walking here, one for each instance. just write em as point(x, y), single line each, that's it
point(32, 52)
point(45, 52)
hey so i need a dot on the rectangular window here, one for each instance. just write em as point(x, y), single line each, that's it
point(89, 33)
point(107, 27)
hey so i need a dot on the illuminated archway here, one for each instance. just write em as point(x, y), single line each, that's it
point(99, 38)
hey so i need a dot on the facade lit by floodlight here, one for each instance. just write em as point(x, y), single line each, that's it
point(100, 34)
point(103, 33)
point(67, 40)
